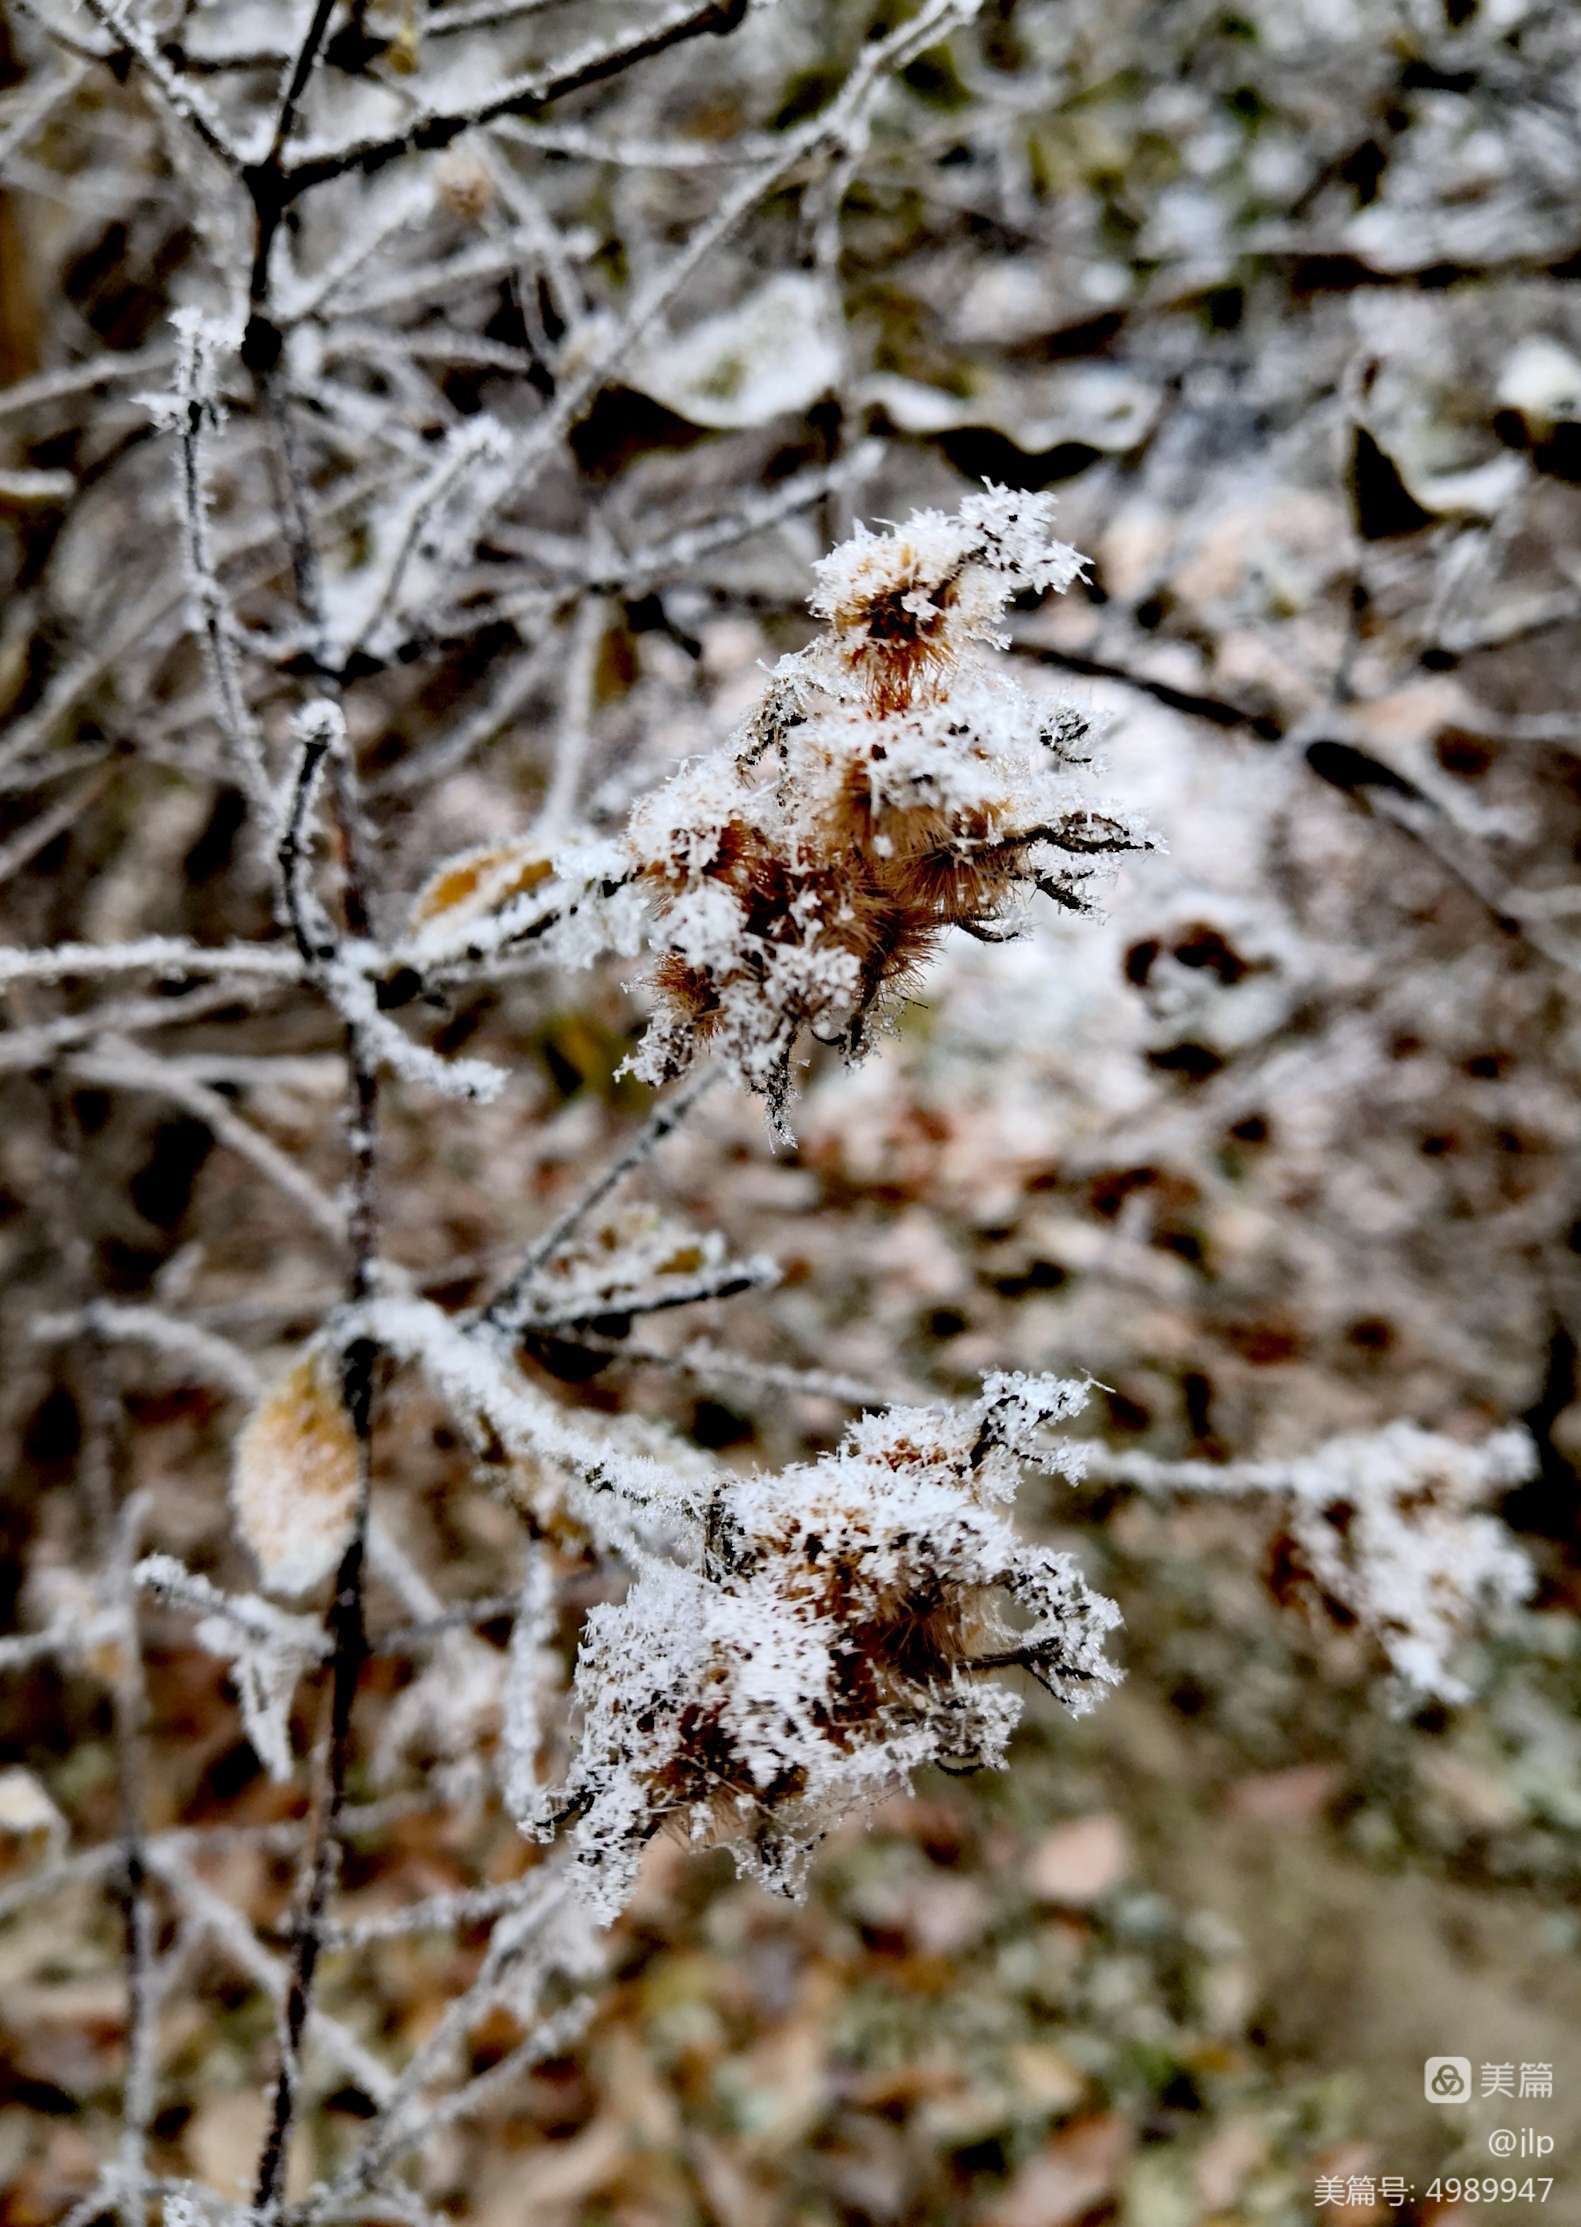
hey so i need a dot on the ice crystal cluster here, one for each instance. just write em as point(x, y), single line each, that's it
point(834, 1635)
point(894, 782)
point(1389, 1531)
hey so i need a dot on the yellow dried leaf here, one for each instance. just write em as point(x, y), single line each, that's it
point(478, 881)
point(404, 54)
point(687, 1261)
point(295, 1478)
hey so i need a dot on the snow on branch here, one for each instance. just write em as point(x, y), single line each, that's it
point(193, 413)
point(266, 1649)
point(1388, 1531)
point(474, 1372)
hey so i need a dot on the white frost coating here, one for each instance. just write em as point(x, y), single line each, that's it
point(1389, 1529)
point(171, 955)
point(894, 782)
point(415, 550)
point(442, 1722)
point(626, 1496)
point(1023, 1407)
point(349, 982)
point(266, 1648)
point(210, 1359)
point(531, 1676)
point(830, 1640)
point(265, 1674)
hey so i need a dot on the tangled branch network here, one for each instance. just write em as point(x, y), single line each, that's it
point(387, 550)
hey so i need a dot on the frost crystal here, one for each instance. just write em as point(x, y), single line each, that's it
point(265, 1671)
point(1387, 1532)
point(894, 783)
point(831, 1640)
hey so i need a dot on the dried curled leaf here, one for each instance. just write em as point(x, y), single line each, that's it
point(896, 782)
point(294, 1481)
point(478, 881)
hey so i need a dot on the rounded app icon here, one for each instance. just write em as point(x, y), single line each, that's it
point(1447, 2079)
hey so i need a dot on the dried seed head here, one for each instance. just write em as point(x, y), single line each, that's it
point(832, 1638)
point(903, 607)
point(295, 1477)
point(891, 622)
point(895, 783)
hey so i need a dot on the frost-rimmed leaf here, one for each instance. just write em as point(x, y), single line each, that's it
point(295, 1477)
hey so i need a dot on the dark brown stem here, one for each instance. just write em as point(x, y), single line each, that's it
point(436, 130)
point(345, 1623)
point(346, 1630)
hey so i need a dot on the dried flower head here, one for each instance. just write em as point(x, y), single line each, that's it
point(294, 1478)
point(1388, 1532)
point(895, 782)
point(903, 607)
point(833, 1637)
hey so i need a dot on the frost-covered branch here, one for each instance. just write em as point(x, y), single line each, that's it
point(511, 1305)
point(1389, 1530)
point(456, 741)
point(196, 412)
